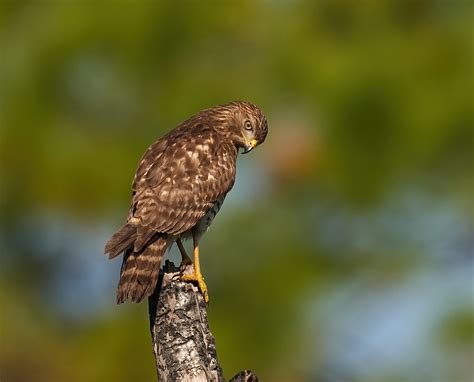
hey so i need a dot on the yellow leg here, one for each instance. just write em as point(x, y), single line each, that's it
point(185, 260)
point(197, 276)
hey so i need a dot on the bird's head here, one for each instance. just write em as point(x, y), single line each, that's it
point(243, 123)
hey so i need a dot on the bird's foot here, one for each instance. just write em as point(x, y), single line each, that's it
point(197, 277)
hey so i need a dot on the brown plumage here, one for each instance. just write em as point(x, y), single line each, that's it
point(179, 186)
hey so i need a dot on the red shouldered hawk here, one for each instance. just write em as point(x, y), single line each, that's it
point(179, 187)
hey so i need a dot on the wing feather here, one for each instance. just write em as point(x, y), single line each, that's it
point(179, 179)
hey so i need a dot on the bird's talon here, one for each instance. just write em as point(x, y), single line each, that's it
point(197, 277)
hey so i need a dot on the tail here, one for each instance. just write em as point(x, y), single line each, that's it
point(140, 271)
point(141, 261)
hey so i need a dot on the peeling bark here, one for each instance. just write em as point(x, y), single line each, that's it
point(183, 346)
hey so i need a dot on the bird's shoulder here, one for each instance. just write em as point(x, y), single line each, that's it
point(183, 153)
point(180, 178)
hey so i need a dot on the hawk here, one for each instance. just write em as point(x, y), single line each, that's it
point(179, 187)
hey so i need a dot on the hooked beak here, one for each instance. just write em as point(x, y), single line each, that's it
point(249, 146)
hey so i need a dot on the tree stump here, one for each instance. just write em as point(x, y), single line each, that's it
point(183, 346)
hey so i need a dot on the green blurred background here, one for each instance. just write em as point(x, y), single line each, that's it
point(344, 252)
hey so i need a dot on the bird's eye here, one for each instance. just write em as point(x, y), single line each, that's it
point(248, 125)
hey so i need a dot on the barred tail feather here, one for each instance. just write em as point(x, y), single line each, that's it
point(140, 272)
point(121, 240)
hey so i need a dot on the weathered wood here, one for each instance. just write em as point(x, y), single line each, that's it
point(183, 345)
point(244, 376)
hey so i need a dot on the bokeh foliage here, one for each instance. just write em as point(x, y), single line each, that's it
point(363, 185)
